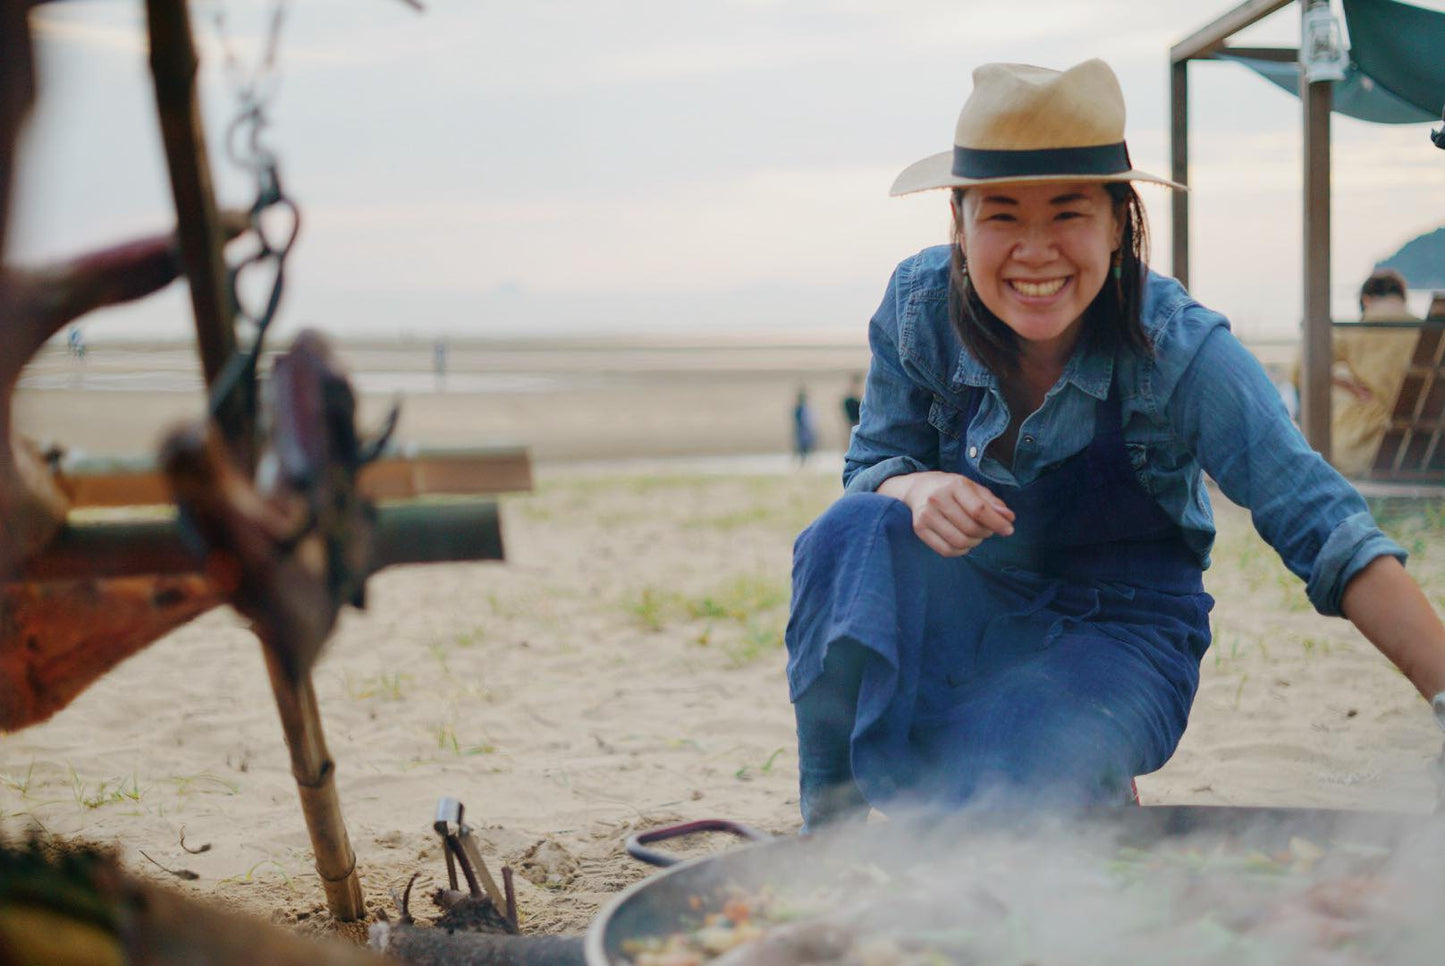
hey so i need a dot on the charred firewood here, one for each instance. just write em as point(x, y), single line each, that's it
point(437, 947)
point(73, 905)
point(464, 913)
point(470, 932)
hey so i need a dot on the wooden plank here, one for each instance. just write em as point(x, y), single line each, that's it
point(1437, 308)
point(1387, 456)
point(1210, 37)
point(1413, 446)
point(1435, 462)
point(1409, 399)
point(457, 472)
point(1427, 347)
point(1415, 449)
point(1434, 405)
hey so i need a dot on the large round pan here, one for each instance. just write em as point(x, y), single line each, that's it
point(674, 900)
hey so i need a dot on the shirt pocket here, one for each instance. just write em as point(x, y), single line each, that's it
point(1139, 461)
point(948, 421)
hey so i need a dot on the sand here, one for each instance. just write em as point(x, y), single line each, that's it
point(623, 668)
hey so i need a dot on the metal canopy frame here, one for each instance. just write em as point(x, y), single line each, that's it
point(1317, 101)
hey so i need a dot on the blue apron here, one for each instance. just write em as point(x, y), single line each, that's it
point(1047, 668)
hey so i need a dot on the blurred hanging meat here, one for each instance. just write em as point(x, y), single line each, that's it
point(56, 638)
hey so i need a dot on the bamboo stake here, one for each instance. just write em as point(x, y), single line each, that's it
point(315, 776)
point(173, 68)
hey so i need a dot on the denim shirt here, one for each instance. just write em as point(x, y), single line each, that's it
point(1201, 403)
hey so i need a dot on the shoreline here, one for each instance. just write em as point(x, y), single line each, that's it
point(603, 400)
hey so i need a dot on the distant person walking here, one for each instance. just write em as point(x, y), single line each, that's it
point(853, 401)
point(805, 432)
point(75, 340)
point(439, 361)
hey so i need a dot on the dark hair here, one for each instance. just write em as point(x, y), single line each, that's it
point(1111, 320)
point(1382, 282)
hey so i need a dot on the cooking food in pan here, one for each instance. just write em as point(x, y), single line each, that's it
point(1070, 895)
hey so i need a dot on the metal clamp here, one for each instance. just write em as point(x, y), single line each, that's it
point(461, 849)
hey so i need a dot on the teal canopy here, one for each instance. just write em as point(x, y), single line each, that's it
point(1396, 73)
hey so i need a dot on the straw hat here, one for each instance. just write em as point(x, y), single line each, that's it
point(1025, 123)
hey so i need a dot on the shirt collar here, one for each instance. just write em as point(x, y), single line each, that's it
point(971, 372)
point(1090, 369)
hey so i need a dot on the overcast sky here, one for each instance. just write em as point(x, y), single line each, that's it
point(492, 168)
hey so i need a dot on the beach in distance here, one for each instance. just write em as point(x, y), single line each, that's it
point(623, 668)
point(566, 399)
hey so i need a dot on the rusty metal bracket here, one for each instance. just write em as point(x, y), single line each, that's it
point(461, 849)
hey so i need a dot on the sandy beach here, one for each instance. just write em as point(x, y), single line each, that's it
point(623, 668)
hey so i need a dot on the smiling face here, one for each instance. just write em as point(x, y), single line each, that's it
point(1038, 254)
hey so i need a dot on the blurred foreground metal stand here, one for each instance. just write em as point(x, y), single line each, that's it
point(280, 522)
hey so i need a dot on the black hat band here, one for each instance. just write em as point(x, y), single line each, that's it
point(1101, 159)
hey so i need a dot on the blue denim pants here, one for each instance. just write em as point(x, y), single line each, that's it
point(931, 681)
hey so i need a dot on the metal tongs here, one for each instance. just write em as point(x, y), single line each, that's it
point(461, 849)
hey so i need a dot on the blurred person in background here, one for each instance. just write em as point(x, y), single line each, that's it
point(853, 401)
point(805, 428)
point(1369, 367)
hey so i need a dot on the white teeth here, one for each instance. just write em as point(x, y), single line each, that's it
point(1038, 289)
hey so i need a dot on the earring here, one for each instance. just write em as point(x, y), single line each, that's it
point(1116, 265)
point(963, 269)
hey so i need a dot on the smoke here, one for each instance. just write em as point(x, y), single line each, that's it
point(1178, 885)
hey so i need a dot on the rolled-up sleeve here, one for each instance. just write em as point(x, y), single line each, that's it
point(869, 478)
point(1229, 414)
point(1353, 543)
point(893, 436)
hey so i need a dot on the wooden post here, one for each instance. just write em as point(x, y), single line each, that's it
point(1179, 167)
point(1316, 351)
point(1209, 38)
point(1200, 44)
point(17, 90)
point(315, 776)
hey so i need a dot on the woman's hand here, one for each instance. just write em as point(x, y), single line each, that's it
point(951, 513)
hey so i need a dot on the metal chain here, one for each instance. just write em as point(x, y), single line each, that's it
point(247, 149)
point(260, 82)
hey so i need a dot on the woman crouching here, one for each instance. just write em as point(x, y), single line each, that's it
point(1007, 606)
